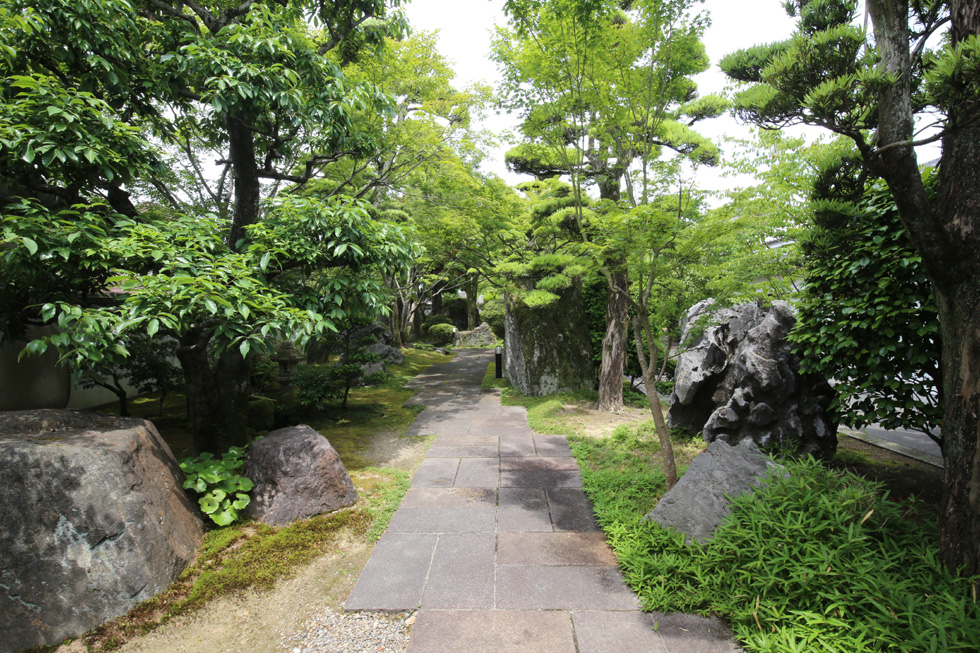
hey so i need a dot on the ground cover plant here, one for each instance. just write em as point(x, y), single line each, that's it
point(252, 556)
point(819, 560)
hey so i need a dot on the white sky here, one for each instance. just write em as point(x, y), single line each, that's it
point(464, 38)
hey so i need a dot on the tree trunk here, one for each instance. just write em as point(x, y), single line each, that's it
point(614, 344)
point(947, 234)
point(417, 319)
point(959, 516)
point(241, 152)
point(472, 309)
point(648, 365)
point(217, 398)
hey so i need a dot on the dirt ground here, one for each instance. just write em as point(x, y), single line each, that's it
point(902, 477)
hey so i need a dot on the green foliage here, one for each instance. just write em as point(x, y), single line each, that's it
point(867, 318)
point(433, 320)
point(223, 491)
point(815, 560)
point(442, 333)
point(493, 313)
point(313, 384)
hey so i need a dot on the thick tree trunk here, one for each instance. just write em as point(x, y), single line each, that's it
point(959, 517)
point(217, 398)
point(947, 235)
point(614, 344)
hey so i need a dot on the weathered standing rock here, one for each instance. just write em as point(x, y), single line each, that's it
point(481, 336)
point(387, 353)
point(547, 349)
point(741, 380)
point(297, 474)
point(702, 498)
point(94, 520)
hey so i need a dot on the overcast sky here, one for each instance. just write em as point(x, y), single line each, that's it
point(464, 38)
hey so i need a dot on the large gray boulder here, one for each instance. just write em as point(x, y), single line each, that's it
point(93, 522)
point(387, 353)
point(547, 348)
point(481, 336)
point(700, 501)
point(297, 474)
point(739, 379)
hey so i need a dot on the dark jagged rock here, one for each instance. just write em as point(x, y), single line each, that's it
point(481, 336)
point(547, 349)
point(297, 474)
point(740, 380)
point(94, 521)
point(702, 498)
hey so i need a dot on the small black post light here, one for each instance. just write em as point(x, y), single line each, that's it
point(499, 355)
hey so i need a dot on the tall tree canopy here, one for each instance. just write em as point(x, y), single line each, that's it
point(922, 59)
point(603, 89)
point(99, 96)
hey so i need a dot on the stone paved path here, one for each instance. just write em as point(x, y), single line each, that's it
point(496, 545)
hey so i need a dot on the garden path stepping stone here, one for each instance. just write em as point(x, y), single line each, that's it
point(496, 545)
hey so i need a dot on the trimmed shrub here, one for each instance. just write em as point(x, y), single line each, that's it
point(433, 320)
point(442, 334)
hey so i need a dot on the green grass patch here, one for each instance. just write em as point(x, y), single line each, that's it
point(550, 414)
point(490, 379)
point(818, 560)
point(622, 473)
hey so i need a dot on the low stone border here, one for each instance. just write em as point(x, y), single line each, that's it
point(908, 452)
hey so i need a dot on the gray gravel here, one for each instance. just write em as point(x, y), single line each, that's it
point(331, 631)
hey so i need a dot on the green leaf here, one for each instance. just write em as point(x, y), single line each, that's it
point(30, 245)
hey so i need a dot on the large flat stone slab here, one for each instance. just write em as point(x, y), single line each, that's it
point(563, 588)
point(457, 451)
point(463, 440)
point(617, 632)
point(552, 445)
point(586, 549)
point(492, 631)
point(688, 633)
point(451, 519)
point(478, 472)
point(533, 464)
point(462, 572)
point(571, 510)
point(394, 576)
point(436, 472)
point(437, 497)
point(523, 509)
point(570, 478)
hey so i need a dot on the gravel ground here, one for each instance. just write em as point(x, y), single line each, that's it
point(330, 631)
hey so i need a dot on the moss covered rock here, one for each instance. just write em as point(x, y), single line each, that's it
point(547, 348)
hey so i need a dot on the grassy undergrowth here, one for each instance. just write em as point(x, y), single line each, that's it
point(816, 561)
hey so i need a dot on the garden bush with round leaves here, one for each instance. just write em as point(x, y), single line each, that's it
point(223, 491)
point(818, 560)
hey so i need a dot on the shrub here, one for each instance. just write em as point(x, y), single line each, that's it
point(442, 334)
point(434, 320)
point(313, 384)
point(492, 312)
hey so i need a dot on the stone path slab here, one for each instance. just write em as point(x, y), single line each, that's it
point(496, 545)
